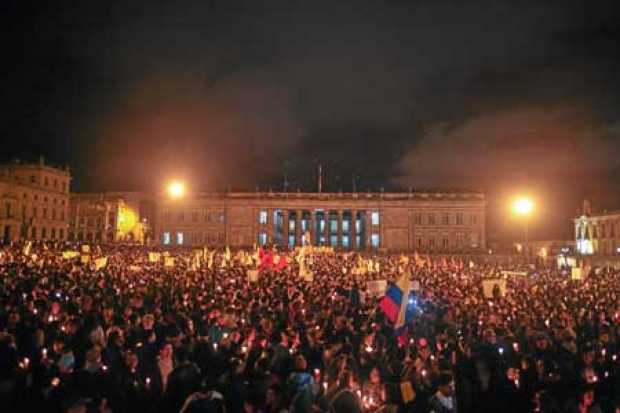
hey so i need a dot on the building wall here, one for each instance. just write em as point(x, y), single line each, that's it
point(598, 234)
point(434, 222)
point(34, 200)
point(108, 217)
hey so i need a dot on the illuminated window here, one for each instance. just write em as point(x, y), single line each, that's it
point(262, 238)
point(291, 225)
point(179, 238)
point(374, 218)
point(345, 226)
point(262, 217)
point(374, 240)
point(333, 240)
point(291, 241)
point(333, 226)
point(166, 238)
point(345, 241)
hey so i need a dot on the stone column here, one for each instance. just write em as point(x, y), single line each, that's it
point(312, 230)
point(298, 218)
point(352, 232)
point(270, 226)
point(285, 232)
point(326, 231)
point(339, 240)
point(367, 229)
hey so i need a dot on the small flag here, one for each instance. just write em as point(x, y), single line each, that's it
point(27, 248)
point(154, 256)
point(67, 255)
point(394, 303)
point(168, 262)
point(85, 259)
point(101, 262)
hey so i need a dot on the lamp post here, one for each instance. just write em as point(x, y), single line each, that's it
point(523, 208)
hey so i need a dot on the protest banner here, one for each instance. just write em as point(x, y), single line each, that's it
point(85, 259)
point(376, 288)
point(252, 275)
point(490, 283)
point(67, 255)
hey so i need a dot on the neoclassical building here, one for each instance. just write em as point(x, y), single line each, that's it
point(34, 198)
point(109, 217)
point(425, 221)
point(598, 233)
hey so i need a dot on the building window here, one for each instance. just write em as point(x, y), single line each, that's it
point(291, 241)
point(345, 226)
point(166, 238)
point(417, 218)
point(431, 242)
point(473, 219)
point(44, 213)
point(374, 240)
point(333, 240)
point(33, 233)
point(333, 226)
point(61, 233)
point(262, 238)
point(195, 216)
point(53, 233)
point(55, 183)
point(262, 217)
point(419, 242)
point(221, 216)
point(345, 241)
point(53, 214)
point(207, 216)
point(179, 238)
point(43, 233)
point(445, 242)
point(431, 219)
point(32, 179)
point(374, 218)
point(46, 181)
point(446, 219)
point(459, 218)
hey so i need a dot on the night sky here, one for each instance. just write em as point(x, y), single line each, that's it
point(502, 96)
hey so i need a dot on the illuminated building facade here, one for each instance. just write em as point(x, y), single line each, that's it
point(34, 200)
point(598, 233)
point(423, 221)
point(110, 217)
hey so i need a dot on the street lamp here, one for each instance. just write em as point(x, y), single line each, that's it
point(176, 189)
point(523, 207)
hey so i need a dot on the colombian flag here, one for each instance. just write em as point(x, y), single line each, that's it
point(395, 302)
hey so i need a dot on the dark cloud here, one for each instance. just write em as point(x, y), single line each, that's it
point(232, 93)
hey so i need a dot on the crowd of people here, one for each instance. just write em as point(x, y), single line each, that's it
point(134, 335)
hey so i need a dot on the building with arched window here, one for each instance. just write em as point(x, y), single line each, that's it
point(34, 199)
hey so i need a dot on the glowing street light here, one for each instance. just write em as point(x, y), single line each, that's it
point(176, 189)
point(523, 206)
